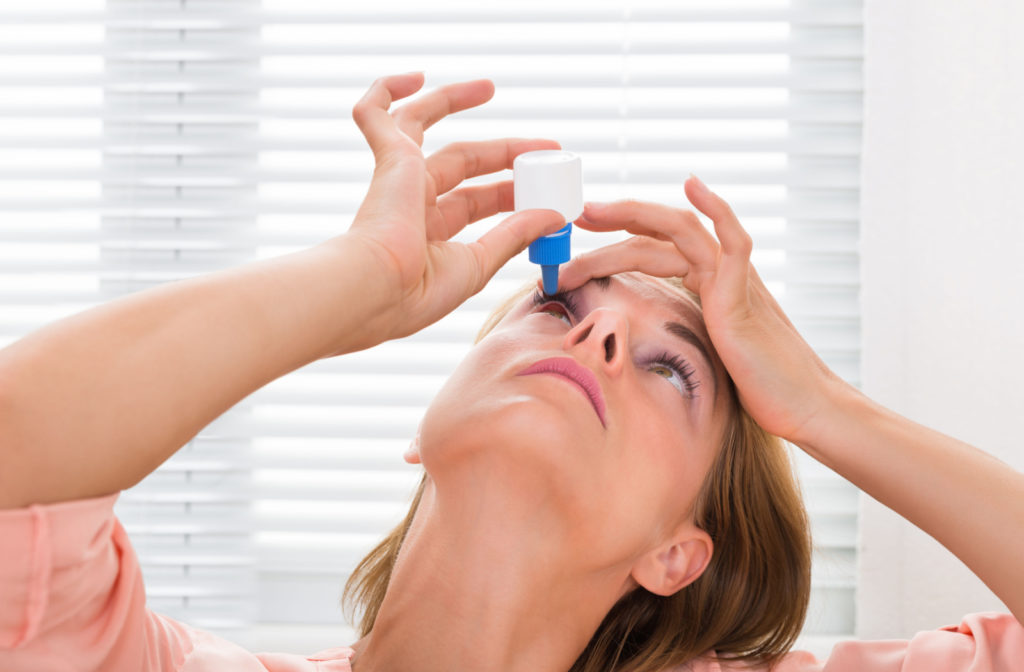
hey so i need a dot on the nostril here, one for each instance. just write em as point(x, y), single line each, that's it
point(586, 332)
point(609, 347)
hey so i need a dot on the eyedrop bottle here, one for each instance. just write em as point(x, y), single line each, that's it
point(551, 179)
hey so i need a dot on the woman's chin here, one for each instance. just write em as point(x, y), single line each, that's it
point(519, 437)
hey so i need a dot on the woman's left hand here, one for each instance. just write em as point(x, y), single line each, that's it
point(781, 382)
point(935, 481)
point(413, 208)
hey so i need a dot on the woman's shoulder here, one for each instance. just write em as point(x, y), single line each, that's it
point(981, 642)
point(75, 558)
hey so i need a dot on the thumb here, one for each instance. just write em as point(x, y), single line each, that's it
point(510, 237)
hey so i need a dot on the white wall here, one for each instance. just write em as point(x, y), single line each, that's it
point(942, 270)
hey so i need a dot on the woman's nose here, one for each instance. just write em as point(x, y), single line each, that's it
point(604, 335)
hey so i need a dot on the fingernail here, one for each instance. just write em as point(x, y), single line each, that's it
point(593, 206)
point(701, 187)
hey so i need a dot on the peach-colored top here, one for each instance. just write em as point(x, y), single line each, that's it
point(71, 598)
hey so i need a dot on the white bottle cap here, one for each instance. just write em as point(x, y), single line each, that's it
point(549, 179)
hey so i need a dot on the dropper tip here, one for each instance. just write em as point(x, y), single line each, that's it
point(549, 275)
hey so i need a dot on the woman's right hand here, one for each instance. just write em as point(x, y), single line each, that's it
point(781, 382)
point(402, 230)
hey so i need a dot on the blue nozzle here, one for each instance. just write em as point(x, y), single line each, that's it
point(549, 252)
point(549, 272)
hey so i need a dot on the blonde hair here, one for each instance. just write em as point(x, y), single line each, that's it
point(748, 605)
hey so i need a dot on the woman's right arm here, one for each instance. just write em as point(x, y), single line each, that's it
point(966, 499)
point(91, 404)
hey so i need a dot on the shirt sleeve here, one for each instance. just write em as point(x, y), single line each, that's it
point(72, 597)
point(983, 642)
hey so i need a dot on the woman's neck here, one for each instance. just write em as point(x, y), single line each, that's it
point(476, 590)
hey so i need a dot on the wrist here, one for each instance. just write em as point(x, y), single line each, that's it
point(842, 407)
point(363, 293)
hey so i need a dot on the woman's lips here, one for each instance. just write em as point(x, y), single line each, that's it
point(569, 368)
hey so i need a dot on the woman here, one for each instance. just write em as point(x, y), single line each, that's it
point(602, 410)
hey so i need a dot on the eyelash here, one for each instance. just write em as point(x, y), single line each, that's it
point(567, 301)
point(681, 367)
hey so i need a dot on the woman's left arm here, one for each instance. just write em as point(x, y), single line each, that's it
point(966, 499)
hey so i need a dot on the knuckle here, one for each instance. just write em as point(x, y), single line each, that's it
point(746, 242)
point(470, 159)
point(449, 149)
point(635, 243)
point(359, 111)
point(438, 177)
point(380, 82)
point(689, 216)
point(472, 208)
point(463, 152)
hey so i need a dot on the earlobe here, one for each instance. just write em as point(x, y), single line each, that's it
point(412, 453)
point(668, 569)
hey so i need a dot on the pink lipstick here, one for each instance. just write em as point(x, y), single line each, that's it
point(570, 369)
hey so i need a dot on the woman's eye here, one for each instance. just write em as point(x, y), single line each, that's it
point(669, 374)
point(556, 310)
point(676, 371)
point(560, 305)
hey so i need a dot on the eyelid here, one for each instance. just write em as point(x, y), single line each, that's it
point(565, 299)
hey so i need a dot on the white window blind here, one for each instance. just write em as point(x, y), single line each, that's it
point(149, 140)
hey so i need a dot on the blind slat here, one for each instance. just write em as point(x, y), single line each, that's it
point(825, 48)
point(561, 76)
point(151, 16)
point(223, 115)
point(216, 147)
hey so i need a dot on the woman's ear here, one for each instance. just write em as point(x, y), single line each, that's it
point(675, 564)
point(412, 453)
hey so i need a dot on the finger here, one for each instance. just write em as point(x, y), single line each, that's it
point(657, 221)
point(735, 241)
point(511, 237)
point(421, 114)
point(471, 204)
point(371, 112)
point(640, 253)
point(733, 237)
point(459, 161)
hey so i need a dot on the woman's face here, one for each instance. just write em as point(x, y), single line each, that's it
point(596, 413)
